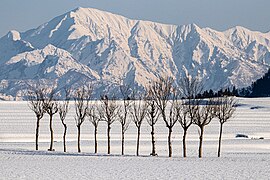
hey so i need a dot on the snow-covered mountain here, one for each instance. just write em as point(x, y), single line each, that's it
point(89, 45)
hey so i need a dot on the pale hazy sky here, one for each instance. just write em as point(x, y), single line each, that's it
point(22, 15)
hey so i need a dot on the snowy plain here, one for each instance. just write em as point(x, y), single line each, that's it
point(240, 158)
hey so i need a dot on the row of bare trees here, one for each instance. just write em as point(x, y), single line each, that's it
point(162, 100)
point(41, 100)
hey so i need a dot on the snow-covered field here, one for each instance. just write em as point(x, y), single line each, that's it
point(241, 158)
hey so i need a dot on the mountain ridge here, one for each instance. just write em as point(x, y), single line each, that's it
point(107, 48)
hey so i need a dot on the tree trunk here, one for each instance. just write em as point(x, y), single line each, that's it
point(184, 143)
point(95, 139)
point(169, 142)
point(108, 135)
point(219, 140)
point(37, 132)
point(64, 137)
point(123, 140)
point(138, 140)
point(51, 130)
point(201, 141)
point(79, 137)
point(153, 141)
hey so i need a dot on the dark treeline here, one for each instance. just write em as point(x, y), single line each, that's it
point(222, 92)
point(162, 101)
point(259, 88)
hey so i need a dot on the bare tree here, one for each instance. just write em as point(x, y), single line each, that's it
point(204, 115)
point(82, 99)
point(173, 118)
point(95, 117)
point(190, 87)
point(152, 117)
point(163, 91)
point(124, 112)
point(63, 110)
point(125, 122)
point(138, 113)
point(35, 103)
point(225, 109)
point(51, 108)
point(185, 123)
point(108, 110)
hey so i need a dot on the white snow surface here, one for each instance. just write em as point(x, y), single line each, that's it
point(115, 47)
point(240, 158)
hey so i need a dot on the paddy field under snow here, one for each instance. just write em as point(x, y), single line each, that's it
point(241, 158)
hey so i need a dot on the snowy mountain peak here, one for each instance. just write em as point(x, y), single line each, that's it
point(94, 14)
point(86, 44)
point(40, 55)
point(193, 27)
point(13, 35)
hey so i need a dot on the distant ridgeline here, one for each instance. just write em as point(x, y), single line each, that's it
point(259, 88)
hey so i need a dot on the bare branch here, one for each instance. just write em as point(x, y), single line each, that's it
point(63, 108)
point(203, 116)
point(108, 110)
point(82, 98)
point(35, 103)
point(138, 113)
point(162, 92)
point(225, 108)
